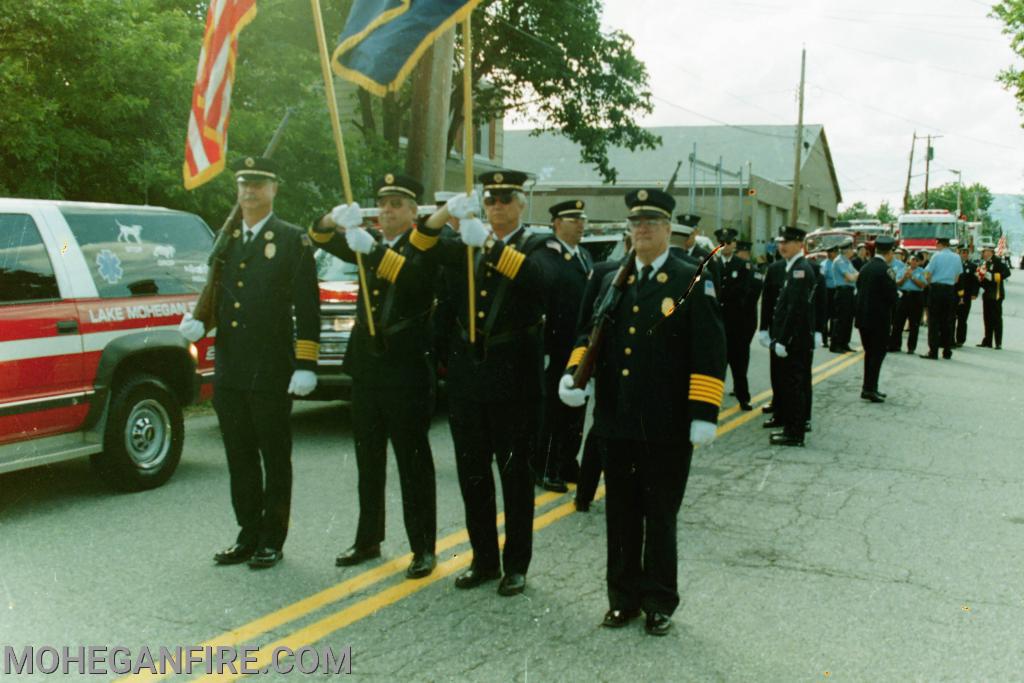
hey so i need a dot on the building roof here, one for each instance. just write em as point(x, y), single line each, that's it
point(556, 160)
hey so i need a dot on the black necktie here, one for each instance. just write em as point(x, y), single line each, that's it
point(248, 237)
point(645, 275)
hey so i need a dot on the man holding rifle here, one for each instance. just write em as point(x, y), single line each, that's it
point(658, 360)
point(268, 275)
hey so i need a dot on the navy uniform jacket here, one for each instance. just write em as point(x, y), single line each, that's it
point(567, 277)
point(793, 320)
point(402, 281)
point(876, 296)
point(262, 286)
point(994, 287)
point(774, 277)
point(967, 283)
point(591, 291)
point(740, 291)
point(507, 363)
point(649, 386)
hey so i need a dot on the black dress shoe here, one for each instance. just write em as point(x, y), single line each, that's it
point(983, 345)
point(658, 624)
point(236, 554)
point(768, 409)
point(265, 558)
point(746, 406)
point(617, 618)
point(582, 505)
point(999, 347)
point(512, 584)
point(872, 396)
point(849, 349)
point(473, 577)
point(946, 355)
point(784, 439)
point(772, 423)
point(882, 394)
point(554, 484)
point(356, 555)
point(911, 351)
point(930, 356)
point(422, 564)
point(807, 427)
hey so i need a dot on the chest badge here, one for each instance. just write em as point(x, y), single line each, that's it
point(662, 278)
point(270, 250)
point(631, 279)
point(268, 235)
point(236, 234)
point(667, 306)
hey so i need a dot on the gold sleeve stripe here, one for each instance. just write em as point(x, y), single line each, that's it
point(307, 350)
point(422, 241)
point(576, 357)
point(999, 277)
point(510, 262)
point(705, 398)
point(707, 381)
point(390, 265)
point(320, 237)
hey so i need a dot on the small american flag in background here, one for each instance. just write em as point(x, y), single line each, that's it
point(206, 142)
point(1001, 247)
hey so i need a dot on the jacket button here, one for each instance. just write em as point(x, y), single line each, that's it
point(234, 323)
point(242, 266)
point(628, 351)
point(625, 372)
point(480, 314)
point(238, 305)
point(241, 284)
point(376, 292)
point(483, 292)
point(632, 330)
point(636, 309)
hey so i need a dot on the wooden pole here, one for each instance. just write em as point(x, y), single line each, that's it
point(910, 171)
point(467, 156)
point(794, 213)
point(339, 144)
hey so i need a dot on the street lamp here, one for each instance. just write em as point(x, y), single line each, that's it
point(959, 186)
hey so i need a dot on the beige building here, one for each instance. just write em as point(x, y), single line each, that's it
point(755, 199)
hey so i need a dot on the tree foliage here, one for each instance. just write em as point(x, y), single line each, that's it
point(973, 198)
point(1011, 14)
point(854, 211)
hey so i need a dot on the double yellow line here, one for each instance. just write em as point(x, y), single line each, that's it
point(320, 629)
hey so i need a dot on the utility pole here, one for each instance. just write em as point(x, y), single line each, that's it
point(910, 170)
point(794, 213)
point(959, 187)
point(929, 154)
point(428, 135)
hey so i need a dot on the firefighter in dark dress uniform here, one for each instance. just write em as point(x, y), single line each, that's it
point(739, 295)
point(992, 276)
point(774, 277)
point(876, 299)
point(393, 371)
point(262, 358)
point(568, 267)
point(792, 339)
point(966, 291)
point(496, 382)
point(658, 387)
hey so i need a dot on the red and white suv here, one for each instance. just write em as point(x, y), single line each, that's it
point(91, 361)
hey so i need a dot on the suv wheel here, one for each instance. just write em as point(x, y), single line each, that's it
point(144, 435)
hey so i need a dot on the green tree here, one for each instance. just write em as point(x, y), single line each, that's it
point(885, 213)
point(854, 211)
point(1011, 14)
point(972, 197)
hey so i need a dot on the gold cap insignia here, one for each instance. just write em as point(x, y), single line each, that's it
point(662, 278)
point(499, 178)
point(579, 205)
point(642, 195)
point(249, 162)
point(268, 235)
point(389, 179)
point(667, 304)
point(270, 250)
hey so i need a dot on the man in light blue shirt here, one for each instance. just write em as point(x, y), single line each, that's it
point(910, 281)
point(941, 274)
point(845, 277)
point(830, 289)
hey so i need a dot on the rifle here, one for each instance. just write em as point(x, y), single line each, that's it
point(609, 303)
point(206, 307)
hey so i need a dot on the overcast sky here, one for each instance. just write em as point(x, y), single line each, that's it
point(876, 71)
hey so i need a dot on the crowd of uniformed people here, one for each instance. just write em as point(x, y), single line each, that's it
point(516, 317)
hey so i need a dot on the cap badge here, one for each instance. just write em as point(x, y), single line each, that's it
point(249, 162)
point(642, 195)
point(389, 179)
point(499, 178)
point(579, 205)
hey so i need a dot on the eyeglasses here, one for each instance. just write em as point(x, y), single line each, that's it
point(646, 222)
point(390, 202)
point(502, 198)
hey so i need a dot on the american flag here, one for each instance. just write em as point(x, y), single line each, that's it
point(1001, 247)
point(206, 142)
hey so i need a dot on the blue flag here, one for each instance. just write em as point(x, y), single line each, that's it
point(384, 39)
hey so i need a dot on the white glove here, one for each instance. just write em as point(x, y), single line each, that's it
point(464, 205)
point(191, 329)
point(303, 383)
point(779, 349)
point(819, 341)
point(359, 240)
point(702, 432)
point(347, 215)
point(547, 361)
point(570, 395)
point(473, 232)
point(764, 339)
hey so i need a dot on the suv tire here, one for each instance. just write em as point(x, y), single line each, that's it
point(144, 435)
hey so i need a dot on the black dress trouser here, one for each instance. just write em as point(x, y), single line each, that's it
point(875, 341)
point(992, 314)
point(963, 309)
point(941, 318)
point(504, 432)
point(645, 483)
point(908, 311)
point(792, 398)
point(403, 416)
point(738, 335)
point(562, 430)
point(256, 429)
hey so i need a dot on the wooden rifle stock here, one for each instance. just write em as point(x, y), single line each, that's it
point(206, 306)
point(603, 322)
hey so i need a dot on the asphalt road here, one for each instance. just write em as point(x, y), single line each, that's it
point(890, 548)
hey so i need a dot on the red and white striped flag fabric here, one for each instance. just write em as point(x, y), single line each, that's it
point(1001, 247)
point(206, 143)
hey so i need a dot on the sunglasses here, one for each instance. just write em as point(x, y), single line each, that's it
point(500, 198)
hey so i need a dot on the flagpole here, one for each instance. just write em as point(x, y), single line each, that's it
point(339, 144)
point(467, 155)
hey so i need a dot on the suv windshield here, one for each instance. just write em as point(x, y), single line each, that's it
point(141, 253)
point(927, 230)
point(824, 242)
